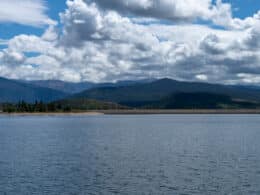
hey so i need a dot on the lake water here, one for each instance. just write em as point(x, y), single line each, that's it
point(139, 154)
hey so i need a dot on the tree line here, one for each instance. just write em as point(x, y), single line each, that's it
point(37, 106)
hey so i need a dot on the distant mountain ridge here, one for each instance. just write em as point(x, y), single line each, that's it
point(71, 88)
point(14, 91)
point(66, 87)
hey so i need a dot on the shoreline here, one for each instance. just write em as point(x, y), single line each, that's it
point(88, 113)
point(137, 112)
point(182, 111)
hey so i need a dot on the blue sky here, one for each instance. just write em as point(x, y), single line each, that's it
point(244, 8)
point(107, 40)
point(8, 30)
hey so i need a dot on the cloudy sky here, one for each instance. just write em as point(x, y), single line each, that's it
point(107, 40)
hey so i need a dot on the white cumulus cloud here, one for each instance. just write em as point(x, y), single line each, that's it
point(25, 12)
point(99, 41)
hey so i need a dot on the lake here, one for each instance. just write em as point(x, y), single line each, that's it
point(130, 154)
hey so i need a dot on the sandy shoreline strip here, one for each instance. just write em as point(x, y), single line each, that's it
point(53, 114)
point(185, 111)
point(139, 111)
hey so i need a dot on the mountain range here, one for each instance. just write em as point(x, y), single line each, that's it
point(72, 88)
point(148, 93)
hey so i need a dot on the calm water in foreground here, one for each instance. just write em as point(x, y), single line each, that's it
point(139, 154)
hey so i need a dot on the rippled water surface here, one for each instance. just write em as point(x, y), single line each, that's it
point(139, 154)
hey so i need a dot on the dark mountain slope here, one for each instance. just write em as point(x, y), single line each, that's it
point(142, 94)
point(82, 104)
point(201, 100)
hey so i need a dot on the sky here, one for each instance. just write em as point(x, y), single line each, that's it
point(215, 41)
